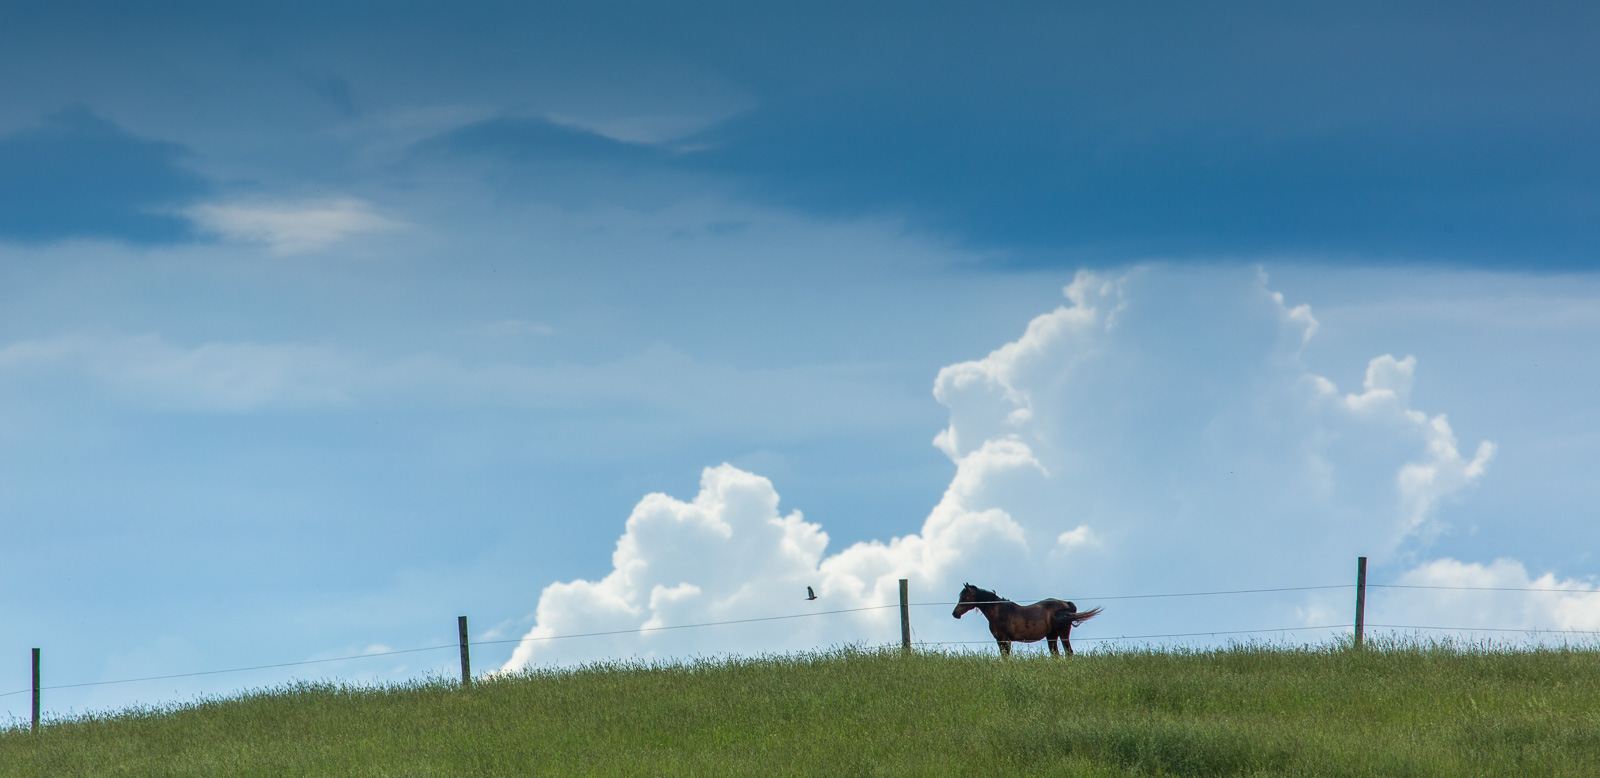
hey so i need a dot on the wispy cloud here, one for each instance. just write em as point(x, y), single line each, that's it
point(149, 371)
point(291, 228)
point(513, 328)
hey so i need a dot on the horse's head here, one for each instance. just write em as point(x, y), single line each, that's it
point(969, 599)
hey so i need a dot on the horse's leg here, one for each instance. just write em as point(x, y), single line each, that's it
point(1005, 648)
point(1053, 651)
point(1066, 639)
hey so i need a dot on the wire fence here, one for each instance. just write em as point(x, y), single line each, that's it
point(1143, 637)
point(947, 604)
point(1484, 588)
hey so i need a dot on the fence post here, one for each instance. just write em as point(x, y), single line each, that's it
point(35, 690)
point(1361, 597)
point(905, 616)
point(466, 659)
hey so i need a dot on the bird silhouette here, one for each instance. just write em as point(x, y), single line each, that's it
point(810, 595)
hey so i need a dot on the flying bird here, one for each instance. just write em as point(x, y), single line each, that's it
point(810, 595)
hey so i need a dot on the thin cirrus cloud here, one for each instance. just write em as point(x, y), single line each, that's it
point(292, 228)
point(514, 328)
point(1097, 453)
point(151, 372)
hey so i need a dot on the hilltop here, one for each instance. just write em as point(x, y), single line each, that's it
point(1401, 708)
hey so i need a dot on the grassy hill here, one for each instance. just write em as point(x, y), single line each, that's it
point(1401, 709)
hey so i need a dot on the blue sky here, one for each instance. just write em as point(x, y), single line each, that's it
point(323, 324)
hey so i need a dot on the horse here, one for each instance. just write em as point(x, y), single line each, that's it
point(1008, 621)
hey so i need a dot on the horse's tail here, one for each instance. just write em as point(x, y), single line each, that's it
point(1079, 618)
point(1071, 615)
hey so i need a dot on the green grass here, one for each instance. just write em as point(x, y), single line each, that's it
point(1397, 709)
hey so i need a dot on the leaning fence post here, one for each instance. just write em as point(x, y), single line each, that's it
point(35, 690)
point(1361, 597)
point(466, 659)
point(905, 616)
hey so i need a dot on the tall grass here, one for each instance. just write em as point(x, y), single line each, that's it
point(1398, 708)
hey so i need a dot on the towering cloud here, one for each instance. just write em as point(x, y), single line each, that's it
point(1157, 433)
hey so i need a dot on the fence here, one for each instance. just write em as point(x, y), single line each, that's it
point(906, 641)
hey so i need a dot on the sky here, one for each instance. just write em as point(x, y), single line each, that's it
point(324, 324)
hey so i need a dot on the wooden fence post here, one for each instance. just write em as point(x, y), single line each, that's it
point(1361, 597)
point(905, 616)
point(466, 659)
point(36, 690)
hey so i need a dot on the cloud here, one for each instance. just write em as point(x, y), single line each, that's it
point(1158, 431)
point(1443, 471)
point(512, 328)
point(648, 129)
point(78, 175)
point(291, 228)
point(729, 554)
point(1095, 133)
point(536, 138)
point(1077, 537)
point(151, 372)
point(148, 371)
point(990, 397)
point(1179, 137)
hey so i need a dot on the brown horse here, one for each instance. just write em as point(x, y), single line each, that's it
point(1008, 621)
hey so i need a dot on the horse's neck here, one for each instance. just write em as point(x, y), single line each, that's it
point(993, 606)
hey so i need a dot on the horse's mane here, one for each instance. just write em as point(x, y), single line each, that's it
point(985, 595)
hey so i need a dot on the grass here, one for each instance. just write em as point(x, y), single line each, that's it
point(1399, 708)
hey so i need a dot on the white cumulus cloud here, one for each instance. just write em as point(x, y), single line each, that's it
point(1442, 470)
point(1077, 537)
point(1157, 431)
point(729, 554)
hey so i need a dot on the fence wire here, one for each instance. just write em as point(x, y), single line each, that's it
point(641, 630)
point(1483, 588)
point(1157, 596)
point(236, 669)
point(1524, 630)
point(1214, 633)
point(683, 626)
